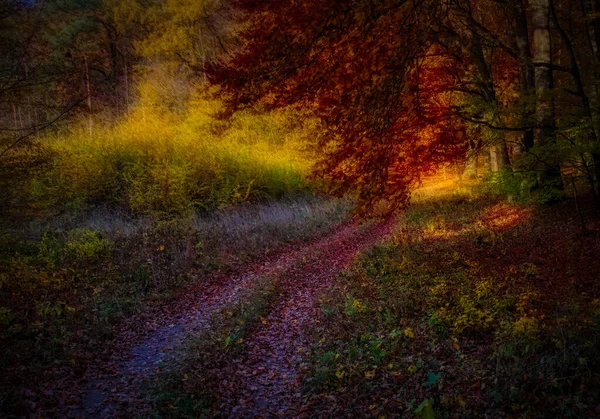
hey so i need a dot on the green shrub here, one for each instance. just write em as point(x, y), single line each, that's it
point(525, 187)
point(6, 316)
point(87, 245)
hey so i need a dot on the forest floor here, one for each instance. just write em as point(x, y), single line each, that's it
point(259, 378)
point(468, 305)
point(476, 307)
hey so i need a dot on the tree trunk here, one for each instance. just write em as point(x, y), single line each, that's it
point(494, 166)
point(498, 150)
point(596, 159)
point(126, 74)
point(503, 158)
point(591, 9)
point(575, 70)
point(544, 84)
point(592, 14)
point(89, 95)
point(527, 78)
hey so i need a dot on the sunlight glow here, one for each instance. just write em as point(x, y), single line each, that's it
point(503, 216)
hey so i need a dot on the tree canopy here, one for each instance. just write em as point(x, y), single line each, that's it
point(405, 86)
point(402, 87)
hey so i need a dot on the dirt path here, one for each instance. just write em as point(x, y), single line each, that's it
point(262, 380)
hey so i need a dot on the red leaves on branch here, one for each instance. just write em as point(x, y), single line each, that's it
point(370, 71)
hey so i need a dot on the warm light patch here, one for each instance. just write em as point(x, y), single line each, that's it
point(443, 186)
point(503, 216)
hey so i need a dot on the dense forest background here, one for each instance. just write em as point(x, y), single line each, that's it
point(105, 103)
point(146, 145)
point(392, 91)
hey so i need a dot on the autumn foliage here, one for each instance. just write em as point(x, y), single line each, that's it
point(168, 245)
point(372, 73)
point(405, 87)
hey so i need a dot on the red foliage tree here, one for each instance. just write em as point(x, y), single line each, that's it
point(370, 70)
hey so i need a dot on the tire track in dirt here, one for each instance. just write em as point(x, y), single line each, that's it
point(265, 380)
point(112, 390)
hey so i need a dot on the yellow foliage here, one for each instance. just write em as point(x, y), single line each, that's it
point(358, 306)
point(526, 324)
point(169, 160)
point(190, 31)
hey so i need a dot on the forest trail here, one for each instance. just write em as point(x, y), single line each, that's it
point(262, 380)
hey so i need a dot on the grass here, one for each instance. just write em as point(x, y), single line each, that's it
point(67, 282)
point(96, 224)
point(476, 307)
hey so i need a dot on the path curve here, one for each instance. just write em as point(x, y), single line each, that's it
point(304, 271)
point(265, 380)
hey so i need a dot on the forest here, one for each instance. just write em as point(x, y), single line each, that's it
point(303, 208)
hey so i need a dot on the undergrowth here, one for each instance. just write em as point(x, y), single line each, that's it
point(476, 307)
point(167, 162)
point(66, 283)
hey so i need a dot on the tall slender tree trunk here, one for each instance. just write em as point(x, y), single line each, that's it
point(527, 79)
point(89, 95)
point(585, 100)
point(494, 166)
point(502, 153)
point(591, 9)
point(499, 155)
point(15, 119)
point(114, 66)
point(596, 161)
point(499, 149)
point(544, 84)
point(126, 73)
